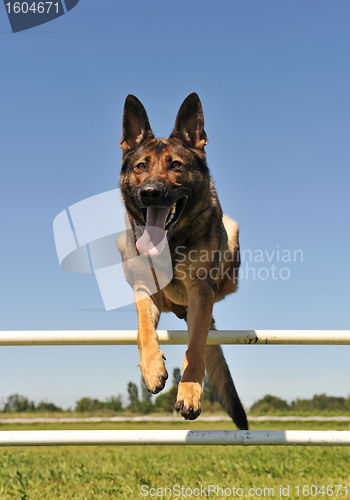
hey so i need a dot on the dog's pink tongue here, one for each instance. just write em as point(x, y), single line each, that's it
point(153, 239)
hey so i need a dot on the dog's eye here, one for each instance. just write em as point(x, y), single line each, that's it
point(176, 165)
point(140, 167)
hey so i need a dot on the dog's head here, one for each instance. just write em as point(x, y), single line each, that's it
point(162, 179)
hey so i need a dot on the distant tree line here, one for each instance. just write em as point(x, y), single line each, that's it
point(145, 403)
point(318, 405)
point(18, 404)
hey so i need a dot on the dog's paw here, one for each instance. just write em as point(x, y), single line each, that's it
point(153, 371)
point(189, 400)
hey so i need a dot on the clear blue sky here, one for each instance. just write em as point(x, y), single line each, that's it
point(274, 80)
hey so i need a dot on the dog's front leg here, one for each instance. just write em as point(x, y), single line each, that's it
point(200, 307)
point(151, 357)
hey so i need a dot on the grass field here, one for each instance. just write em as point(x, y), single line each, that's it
point(104, 472)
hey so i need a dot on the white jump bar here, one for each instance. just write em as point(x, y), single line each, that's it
point(128, 337)
point(177, 437)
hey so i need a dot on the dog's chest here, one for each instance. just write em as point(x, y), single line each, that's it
point(176, 291)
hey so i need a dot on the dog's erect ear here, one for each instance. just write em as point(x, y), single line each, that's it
point(189, 125)
point(136, 127)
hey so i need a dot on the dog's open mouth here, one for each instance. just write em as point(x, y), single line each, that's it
point(159, 225)
point(154, 214)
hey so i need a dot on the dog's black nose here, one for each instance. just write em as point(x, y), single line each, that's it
point(150, 194)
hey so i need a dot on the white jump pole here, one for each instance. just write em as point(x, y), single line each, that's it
point(128, 337)
point(177, 437)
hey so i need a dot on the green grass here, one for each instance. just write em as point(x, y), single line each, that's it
point(118, 472)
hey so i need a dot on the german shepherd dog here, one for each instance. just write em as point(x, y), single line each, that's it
point(166, 186)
